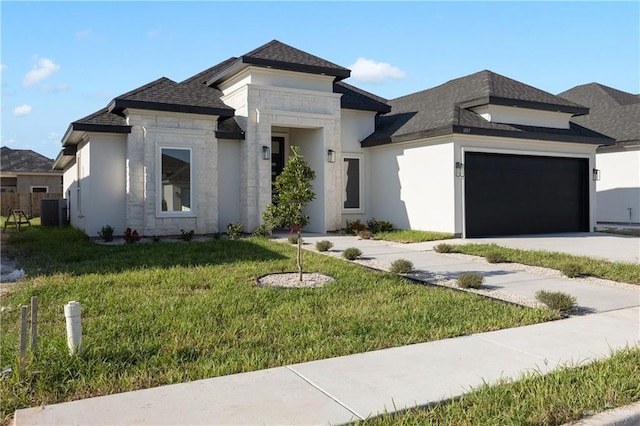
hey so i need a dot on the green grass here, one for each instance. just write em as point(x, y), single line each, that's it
point(163, 313)
point(565, 395)
point(410, 236)
point(35, 221)
point(616, 271)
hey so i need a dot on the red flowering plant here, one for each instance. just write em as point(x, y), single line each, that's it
point(130, 236)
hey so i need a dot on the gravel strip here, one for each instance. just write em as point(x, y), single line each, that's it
point(292, 280)
point(539, 270)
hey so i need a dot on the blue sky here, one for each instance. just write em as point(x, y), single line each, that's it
point(62, 61)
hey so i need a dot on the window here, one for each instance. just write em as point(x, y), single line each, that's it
point(175, 181)
point(352, 180)
point(39, 189)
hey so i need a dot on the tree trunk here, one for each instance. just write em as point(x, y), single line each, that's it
point(300, 252)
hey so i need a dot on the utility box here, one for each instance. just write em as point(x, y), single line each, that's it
point(53, 212)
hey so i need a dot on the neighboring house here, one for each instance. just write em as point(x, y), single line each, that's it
point(479, 155)
point(24, 172)
point(616, 114)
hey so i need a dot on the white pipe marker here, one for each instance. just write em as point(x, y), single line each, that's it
point(72, 311)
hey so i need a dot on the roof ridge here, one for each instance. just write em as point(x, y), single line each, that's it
point(145, 87)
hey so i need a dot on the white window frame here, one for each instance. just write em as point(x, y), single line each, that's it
point(39, 186)
point(360, 158)
point(159, 189)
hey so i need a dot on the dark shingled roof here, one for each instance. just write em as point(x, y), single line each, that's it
point(443, 110)
point(278, 55)
point(355, 98)
point(24, 161)
point(102, 121)
point(612, 112)
point(228, 128)
point(163, 94)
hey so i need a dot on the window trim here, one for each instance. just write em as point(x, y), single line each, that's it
point(46, 187)
point(360, 158)
point(159, 212)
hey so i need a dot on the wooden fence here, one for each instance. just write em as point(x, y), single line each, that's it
point(29, 202)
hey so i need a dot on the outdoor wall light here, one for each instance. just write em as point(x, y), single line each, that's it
point(266, 152)
point(459, 169)
point(596, 174)
point(331, 156)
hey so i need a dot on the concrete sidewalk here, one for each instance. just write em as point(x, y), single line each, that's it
point(344, 389)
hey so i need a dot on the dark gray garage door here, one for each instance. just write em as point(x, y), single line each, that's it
point(522, 194)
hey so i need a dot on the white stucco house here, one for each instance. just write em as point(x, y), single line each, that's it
point(616, 114)
point(478, 155)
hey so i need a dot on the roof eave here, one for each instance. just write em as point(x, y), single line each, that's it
point(245, 61)
point(119, 105)
point(478, 131)
point(229, 135)
point(520, 103)
point(422, 134)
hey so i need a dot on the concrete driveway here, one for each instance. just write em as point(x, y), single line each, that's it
point(617, 248)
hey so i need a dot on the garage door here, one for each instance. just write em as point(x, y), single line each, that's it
point(522, 194)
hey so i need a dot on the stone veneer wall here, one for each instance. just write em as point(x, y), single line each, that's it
point(295, 108)
point(152, 130)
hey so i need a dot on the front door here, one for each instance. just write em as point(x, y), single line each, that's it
point(277, 158)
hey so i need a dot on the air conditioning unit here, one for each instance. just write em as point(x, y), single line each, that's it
point(53, 212)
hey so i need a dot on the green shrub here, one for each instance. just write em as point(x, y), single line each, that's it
point(293, 239)
point(470, 281)
point(571, 270)
point(106, 233)
point(385, 226)
point(351, 253)
point(373, 225)
point(324, 245)
point(234, 230)
point(557, 300)
point(443, 248)
point(186, 236)
point(401, 266)
point(365, 234)
point(262, 231)
point(495, 257)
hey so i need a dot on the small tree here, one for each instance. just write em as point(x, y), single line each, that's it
point(292, 192)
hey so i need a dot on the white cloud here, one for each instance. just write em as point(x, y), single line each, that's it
point(155, 33)
point(62, 87)
point(84, 34)
point(368, 71)
point(43, 69)
point(22, 110)
point(53, 135)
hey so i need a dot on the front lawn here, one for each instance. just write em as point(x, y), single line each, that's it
point(411, 236)
point(615, 271)
point(162, 313)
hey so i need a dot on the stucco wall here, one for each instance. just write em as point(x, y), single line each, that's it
point(356, 126)
point(619, 187)
point(412, 185)
point(104, 202)
point(310, 142)
point(523, 116)
point(229, 178)
point(25, 182)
